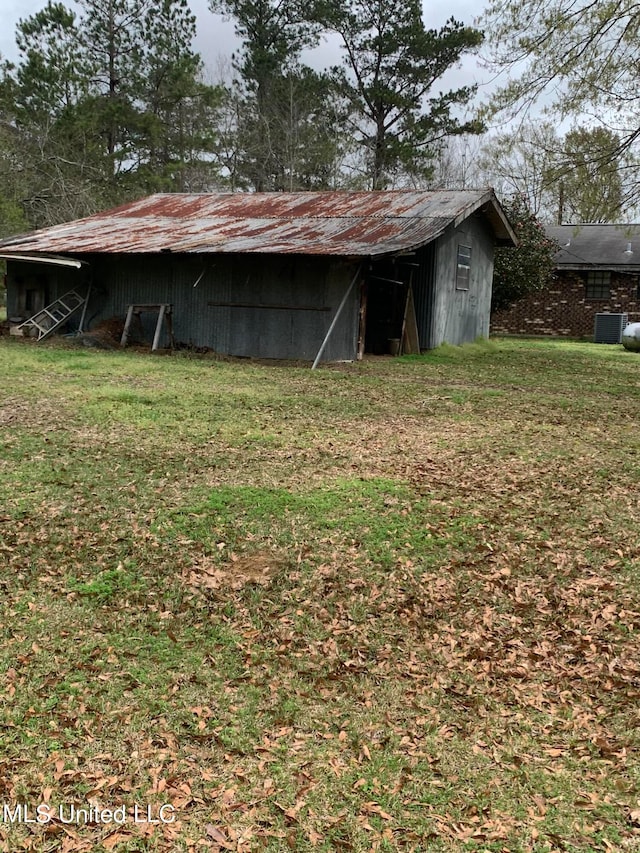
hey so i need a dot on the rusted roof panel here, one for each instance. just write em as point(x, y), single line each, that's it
point(348, 224)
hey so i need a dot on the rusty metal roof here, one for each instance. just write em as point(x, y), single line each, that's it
point(339, 223)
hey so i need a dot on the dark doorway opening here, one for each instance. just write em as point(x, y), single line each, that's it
point(387, 286)
point(32, 294)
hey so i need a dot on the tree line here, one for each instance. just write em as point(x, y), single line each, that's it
point(107, 101)
point(582, 175)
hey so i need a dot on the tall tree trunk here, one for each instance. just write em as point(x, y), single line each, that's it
point(113, 81)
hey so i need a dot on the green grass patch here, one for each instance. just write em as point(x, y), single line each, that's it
point(383, 606)
point(380, 518)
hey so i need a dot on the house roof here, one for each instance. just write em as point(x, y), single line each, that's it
point(347, 224)
point(613, 247)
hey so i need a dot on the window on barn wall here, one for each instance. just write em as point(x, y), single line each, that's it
point(598, 285)
point(463, 273)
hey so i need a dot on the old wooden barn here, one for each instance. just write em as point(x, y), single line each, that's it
point(270, 274)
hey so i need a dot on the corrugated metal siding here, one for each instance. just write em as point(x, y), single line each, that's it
point(461, 316)
point(123, 280)
point(424, 294)
point(251, 328)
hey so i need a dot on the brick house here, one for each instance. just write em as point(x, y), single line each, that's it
point(597, 272)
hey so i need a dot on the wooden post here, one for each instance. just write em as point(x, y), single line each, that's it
point(84, 309)
point(410, 336)
point(362, 326)
point(156, 337)
point(169, 319)
point(560, 202)
point(404, 320)
point(127, 326)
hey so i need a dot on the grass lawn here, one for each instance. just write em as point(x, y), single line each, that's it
point(385, 606)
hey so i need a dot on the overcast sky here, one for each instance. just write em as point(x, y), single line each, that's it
point(215, 38)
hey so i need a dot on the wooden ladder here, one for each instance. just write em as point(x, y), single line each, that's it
point(164, 313)
point(54, 315)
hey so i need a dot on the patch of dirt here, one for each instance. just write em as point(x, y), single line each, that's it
point(241, 570)
point(49, 414)
point(105, 335)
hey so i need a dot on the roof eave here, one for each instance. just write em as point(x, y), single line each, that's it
point(489, 205)
point(629, 268)
point(44, 258)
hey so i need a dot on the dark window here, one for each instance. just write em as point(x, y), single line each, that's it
point(463, 273)
point(598, 285)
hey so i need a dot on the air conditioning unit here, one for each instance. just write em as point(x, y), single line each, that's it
point(608, 328)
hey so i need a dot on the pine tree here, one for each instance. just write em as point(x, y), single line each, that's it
point(54, 153)
point(392, 62)
point(285, 114)
point(107, 105)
